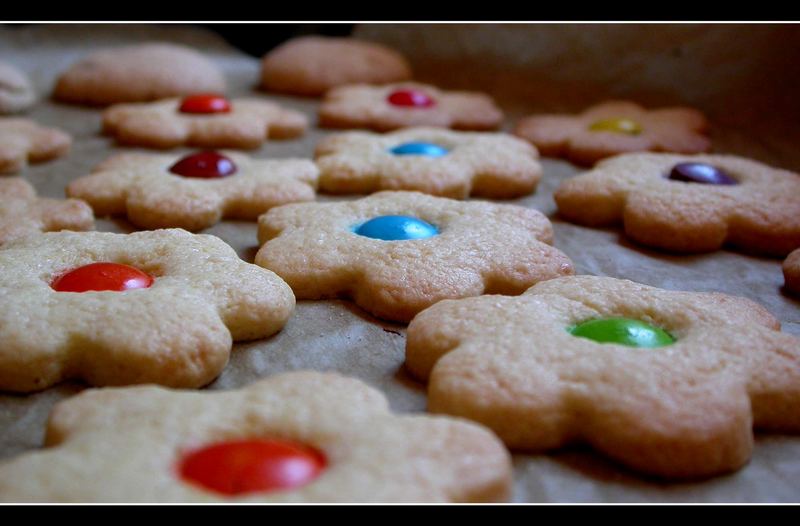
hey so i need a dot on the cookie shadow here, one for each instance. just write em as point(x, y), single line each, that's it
point(387, 325)
point(788, 294)
point(584, 461)
point(248, 254)
point(407, 380)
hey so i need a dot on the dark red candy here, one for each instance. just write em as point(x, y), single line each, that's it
point(205, 165)
point(410, 97)
point(700, 173)
point(205, 103)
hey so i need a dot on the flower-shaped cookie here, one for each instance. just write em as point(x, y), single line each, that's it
point(141, 72)
point(208, 121)
point(393, 106)
point(668, 383)
point(23, 141)
point(430, 160)
point(23, 214)
point(396, 253)
point(791, 271)
point(193, 191)
point(311, 65)
point(616, 127)
point(113, 309)
point(689, 204)
point(295, 437)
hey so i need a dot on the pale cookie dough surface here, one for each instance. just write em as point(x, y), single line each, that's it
point(365, 106)
point(685, 410)
point(137, 437)
point(678, 130)
point(337, 335)
point(16, 90)
point(791, 272)
point(141, 187)
point(312, 65)
point(23, 214)
point(177, 332)
point(481, 248)
point(492, 165)
point(23, 141)
point(143, 72)
point(161, 125)
point(761, 214)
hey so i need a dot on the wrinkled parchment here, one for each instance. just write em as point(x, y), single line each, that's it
point(738, 74)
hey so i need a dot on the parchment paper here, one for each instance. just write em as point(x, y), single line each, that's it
point(740, 75)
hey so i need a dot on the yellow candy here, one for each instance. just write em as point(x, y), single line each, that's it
point(617, 126)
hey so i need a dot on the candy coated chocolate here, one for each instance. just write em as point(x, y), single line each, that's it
point(622, 331)
point(205, 165)
point(700, 173)
point(420, 148)
point(410, 97)
point(251, 466)
point(102, 276)
point(617, 125)
point(205, 103)
point(396, 228)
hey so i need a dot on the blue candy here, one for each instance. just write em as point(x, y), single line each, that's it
point(395, 228)
point(420, 148)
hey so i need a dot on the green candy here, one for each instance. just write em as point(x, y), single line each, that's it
point(622, 331)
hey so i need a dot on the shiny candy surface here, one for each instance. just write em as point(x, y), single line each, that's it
point(102, 277)
point(700, 173)
point(396, 228)
point(411, 98)
point(622, 331)
point(205, 103)
point(205, 165)
point(250, 466)
point(619, 125)
point(420, 148)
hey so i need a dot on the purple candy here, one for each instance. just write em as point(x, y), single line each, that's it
point(700, 173)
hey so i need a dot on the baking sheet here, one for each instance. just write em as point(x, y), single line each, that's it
point(528, 68)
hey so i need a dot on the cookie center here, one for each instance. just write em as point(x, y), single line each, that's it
point(700, 173)
point(396, 228)
point(102, 276)
point(410, 98)
point(248, 466)
point(205, 103)
point(622, 331)
point(425, 149)
point(617, 125)
point(204, 165)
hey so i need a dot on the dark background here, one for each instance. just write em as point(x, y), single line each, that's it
point(254, 40)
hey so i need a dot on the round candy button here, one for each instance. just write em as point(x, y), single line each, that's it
point(420, 148)
point(102, 276)
point(205, 165)
point(396, 228)
point(410, 97)
point(700, 173)
point(248, 466)
point(205, 103)
point(622, 331)
point(619, 125)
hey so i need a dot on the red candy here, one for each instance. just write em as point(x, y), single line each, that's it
point(410, 97)
point(205, 165)
point(248, 466)
point(205, 103)
point(102, 276)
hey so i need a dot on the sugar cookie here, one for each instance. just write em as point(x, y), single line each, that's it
point(668, 383)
